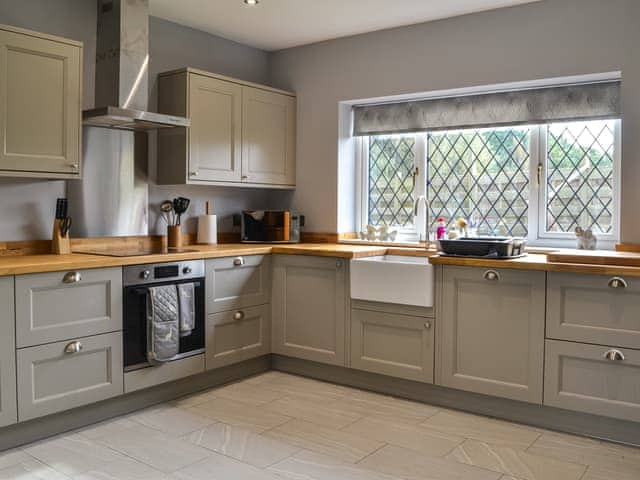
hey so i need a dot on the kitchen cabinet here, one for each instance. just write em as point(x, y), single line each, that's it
point(309, 308)
point(58, 306)
point(392, 340)
point(237, 335)
point(8, 411)
point(64, 375)
point(241, 134)
point(40, 105)
point(492, 331)
point(596, 379)
point(237, 282)
point(596, 309)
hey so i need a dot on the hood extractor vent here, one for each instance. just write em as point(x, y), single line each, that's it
point(122, 64)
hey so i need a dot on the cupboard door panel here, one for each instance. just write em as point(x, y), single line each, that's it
point(8, 411)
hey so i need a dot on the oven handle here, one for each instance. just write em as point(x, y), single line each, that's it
point(145, 290)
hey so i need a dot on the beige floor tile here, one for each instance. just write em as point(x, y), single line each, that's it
point(341, 445)
point(595, 473)
point(220, 467)
point(413, 436)
point(241, 444)
point(30, 469)
point(412, 465)
point(483, 429)
point(247, 393)
point(194, 399)
point(239, 414)
point(368, 403)
point(108, 427)
point(309, 465)
point(127, 469)
point(156, 449)
point(72, 454)
point(607, 457)
point(174, 421)
point(13, 457)
point(322, 414)
point(517, 463)
point(306, 388)
point(267, 377)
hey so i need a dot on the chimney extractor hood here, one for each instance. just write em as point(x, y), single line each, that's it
point(122, 63)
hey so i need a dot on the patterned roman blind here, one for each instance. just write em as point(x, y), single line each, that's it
point(590, 101)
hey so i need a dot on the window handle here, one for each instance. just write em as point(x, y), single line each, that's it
point(539, 173)
point(416, 171)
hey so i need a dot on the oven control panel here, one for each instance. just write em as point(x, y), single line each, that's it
point(162, 272)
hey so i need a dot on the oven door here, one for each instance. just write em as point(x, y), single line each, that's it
point(135, 324)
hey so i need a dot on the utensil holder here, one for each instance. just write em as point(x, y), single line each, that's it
point(174, 237)
point(60, 244)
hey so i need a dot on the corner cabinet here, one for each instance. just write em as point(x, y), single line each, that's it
point(40, 105)
point(492, 332)
point(8, 409)
point(241, 134)
point(309, 308)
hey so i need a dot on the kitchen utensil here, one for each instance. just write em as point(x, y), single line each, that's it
point(180, 205)
point(65, 226)
point(166, 210)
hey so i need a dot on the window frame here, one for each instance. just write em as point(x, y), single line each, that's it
point(537, 236)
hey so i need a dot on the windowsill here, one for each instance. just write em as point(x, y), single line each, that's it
point(357, 241)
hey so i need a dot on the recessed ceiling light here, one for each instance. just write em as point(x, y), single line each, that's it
point(252, 2)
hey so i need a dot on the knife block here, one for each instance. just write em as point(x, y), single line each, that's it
point(60, 244)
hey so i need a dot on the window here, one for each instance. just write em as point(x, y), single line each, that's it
point(539, 181)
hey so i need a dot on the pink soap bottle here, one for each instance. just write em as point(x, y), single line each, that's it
point(441, 231)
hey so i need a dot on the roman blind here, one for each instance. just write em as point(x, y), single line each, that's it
point(590, 101)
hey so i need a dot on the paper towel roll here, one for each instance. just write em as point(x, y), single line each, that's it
point(207, 229)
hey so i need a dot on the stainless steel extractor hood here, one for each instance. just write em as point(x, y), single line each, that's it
point(122, 65)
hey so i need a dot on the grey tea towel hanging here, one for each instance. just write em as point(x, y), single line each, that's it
point(186, 299)
point(163, 324)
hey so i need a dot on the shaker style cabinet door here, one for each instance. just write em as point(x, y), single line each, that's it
point(8, 412)
point(309, 308)
point(492, 332)
point(268, 137)
point(40, 105)
point(215, 135)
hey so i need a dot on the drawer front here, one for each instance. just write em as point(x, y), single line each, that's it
point(238, 335)
point(594, 309)
point(579, 377)
point(51, 378)
point(237, 282)
point(58, 306)
point(392, 344)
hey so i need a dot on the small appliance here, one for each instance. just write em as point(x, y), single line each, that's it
point(270, 226)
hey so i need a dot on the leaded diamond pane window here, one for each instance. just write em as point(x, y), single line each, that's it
point(391, 184)
point(579, 173)
point(481, 175)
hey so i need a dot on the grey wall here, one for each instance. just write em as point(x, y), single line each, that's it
point(553, 38)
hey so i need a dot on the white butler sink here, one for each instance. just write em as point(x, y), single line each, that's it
point(393, 279)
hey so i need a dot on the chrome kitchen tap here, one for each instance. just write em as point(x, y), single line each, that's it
point(424, 235)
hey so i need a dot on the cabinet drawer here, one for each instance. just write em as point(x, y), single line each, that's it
point(579, 377)
point(594, 309)
point(237, 282)
point(62, 305)
point(51, 380)
point(238, 335)
point(392, 344)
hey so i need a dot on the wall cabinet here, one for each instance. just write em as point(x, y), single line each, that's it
point(241, 134)
point(8, 411)
point(309, 308)
point(40, 105)
point(492, 332)
point(392, 340)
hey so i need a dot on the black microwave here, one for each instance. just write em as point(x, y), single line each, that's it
point(270, 226)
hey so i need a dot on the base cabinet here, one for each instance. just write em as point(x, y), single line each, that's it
point(492, 332)
point(392, 341)
point(8, 410)
point(309, 308)
point(238, 335)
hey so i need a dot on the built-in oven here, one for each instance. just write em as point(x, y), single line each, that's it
point(137, 280)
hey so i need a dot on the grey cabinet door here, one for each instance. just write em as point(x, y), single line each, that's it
point(394, 344)
point(52, 378)
point(237, 282)
point(309, 308)
point(579, 377)
point(63, 305)
point(585, 308)
point(492, 332)
point(238, 335)
point(8, 412)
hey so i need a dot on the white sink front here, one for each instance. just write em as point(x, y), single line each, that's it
point(397, 279)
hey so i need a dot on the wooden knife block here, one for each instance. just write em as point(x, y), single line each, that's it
point(59, 244)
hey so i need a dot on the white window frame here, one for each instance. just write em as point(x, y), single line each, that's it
point(537, 236)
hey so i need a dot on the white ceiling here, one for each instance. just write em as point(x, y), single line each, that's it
point(278, 24)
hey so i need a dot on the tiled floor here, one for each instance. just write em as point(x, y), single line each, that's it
point(278, 426)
